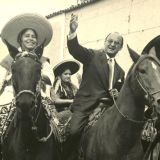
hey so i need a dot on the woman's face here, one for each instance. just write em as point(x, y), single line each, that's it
point(66, 76)
point(29, 40)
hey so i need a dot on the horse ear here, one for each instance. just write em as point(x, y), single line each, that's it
point(46, 79)
point(152, 52)
point(133, 54)
point(13, 51)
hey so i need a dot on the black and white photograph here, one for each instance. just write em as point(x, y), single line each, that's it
point(80, 80)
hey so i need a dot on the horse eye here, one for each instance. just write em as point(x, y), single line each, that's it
point(141, 70)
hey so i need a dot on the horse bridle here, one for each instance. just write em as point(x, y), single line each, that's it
point(149, 95)
point(35, 96)
point(141, 84)
point(34, 57)
point(25, 91)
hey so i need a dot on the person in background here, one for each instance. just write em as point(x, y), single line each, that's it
point(62, 95)
point(63, 90)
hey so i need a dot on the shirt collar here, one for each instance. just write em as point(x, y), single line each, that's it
point(109, 57)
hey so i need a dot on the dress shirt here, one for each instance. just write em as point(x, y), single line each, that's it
point(111, 64)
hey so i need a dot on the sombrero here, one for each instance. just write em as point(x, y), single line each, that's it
point(40, 24)
point(73, 66)
point(155, 42)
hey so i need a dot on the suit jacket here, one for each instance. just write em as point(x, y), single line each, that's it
point(95, 78)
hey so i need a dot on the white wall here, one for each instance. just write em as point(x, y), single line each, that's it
point(137, 20)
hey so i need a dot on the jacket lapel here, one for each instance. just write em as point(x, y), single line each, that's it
point(116, 73)
point(104, 70)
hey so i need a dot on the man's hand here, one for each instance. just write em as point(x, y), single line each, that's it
point(73, 23)
point(113, 93)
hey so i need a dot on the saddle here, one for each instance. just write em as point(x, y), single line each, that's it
point(60, 121)
point(6, 115)
point(104, 104)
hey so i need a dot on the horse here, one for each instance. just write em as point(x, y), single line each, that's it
point(29, 135)
point(117, 133)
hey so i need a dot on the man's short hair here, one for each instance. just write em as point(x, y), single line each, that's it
point(116, 33)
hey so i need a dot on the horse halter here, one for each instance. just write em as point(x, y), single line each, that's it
point(148, 94)
point(142, 86)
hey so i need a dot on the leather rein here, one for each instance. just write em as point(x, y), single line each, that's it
point(142, 86)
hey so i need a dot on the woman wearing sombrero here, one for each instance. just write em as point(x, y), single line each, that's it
point(63, 90)
point(25, 33)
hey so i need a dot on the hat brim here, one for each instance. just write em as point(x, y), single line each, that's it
point(155, 42)
point(73, 66)
point(40, 24)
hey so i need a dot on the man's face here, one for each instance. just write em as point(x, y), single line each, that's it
point(113, 44)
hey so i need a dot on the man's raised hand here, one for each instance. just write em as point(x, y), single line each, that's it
point(73, 23)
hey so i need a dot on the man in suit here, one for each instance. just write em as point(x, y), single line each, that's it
point(102, 76)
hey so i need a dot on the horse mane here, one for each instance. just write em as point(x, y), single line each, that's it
point(27, 54)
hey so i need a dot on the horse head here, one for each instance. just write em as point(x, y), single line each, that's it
point(26, 75)
point(146, 71)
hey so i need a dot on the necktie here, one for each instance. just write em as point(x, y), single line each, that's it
point(111, 71)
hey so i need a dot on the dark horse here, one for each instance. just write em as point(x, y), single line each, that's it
point(29, 135)
point(117, 134)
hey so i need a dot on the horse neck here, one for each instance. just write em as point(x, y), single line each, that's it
point(131, 103)
point(120, 131)
point(23, 132)
point(42, 123)
point(25, 127)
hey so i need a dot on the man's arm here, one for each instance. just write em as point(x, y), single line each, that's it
point(79, 52)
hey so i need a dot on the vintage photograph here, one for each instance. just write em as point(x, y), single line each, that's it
point(80, 80)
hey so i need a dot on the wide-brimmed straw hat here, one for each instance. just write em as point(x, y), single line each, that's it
point(36, 22)
point(73, 66)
